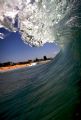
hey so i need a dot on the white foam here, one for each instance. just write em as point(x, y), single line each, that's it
point(36, 20)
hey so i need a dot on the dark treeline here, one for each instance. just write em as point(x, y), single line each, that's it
point(24, 62)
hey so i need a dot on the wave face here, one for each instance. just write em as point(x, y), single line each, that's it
point(51, 91)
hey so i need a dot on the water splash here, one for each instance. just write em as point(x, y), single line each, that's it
point(53, 91)
point(37, 19)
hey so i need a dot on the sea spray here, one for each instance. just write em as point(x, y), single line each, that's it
point(53, 91)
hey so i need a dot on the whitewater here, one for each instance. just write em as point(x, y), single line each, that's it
point(51, 91)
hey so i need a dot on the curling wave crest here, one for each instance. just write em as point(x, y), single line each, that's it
point(38, 21)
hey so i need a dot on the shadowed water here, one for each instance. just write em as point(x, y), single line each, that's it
point(42, 92)
point(50, 91)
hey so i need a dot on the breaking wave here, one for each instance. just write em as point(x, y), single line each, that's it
point(51, 91)
point(38, 21)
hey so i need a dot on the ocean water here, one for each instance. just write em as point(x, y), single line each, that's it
point(50, 91)
point(44, 92)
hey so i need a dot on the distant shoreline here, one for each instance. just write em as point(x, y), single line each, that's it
point(13, 67)
point(8, 68)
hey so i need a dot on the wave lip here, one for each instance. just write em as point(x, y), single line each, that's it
point(36, 20)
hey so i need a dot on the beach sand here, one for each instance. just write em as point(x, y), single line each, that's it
point(10, 67)
point(3, 69)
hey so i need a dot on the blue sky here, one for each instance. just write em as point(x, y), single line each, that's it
point(12, 48)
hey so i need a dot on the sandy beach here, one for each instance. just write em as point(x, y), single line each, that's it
point(10, 67)
point(3, 69)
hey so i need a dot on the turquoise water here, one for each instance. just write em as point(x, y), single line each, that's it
point(43, 92)
point(50, 91)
